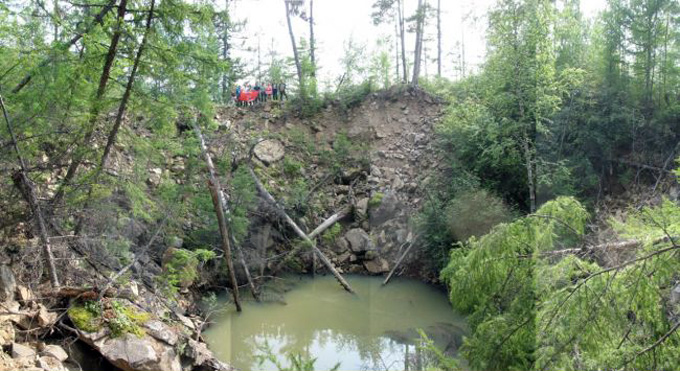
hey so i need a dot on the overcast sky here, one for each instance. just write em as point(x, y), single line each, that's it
point(336, 21)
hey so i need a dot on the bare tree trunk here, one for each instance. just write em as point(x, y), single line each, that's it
point(95, 108)
point(218, 201)
point(312, 40)
point(128, 89)
point(439, 38)
point(396, 50)
point(298, 66)
point(400, 11)
point(316, 232)
point(98, 19)
point(226, 93)
point(29, 194)
point(530, 162)
point(396, 265)
point(417, 53)
point(269, 198)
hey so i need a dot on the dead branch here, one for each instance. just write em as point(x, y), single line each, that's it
point(270, 199)
point(26, 186)
point(218, 202)
point(396, 265)
point(320, 229)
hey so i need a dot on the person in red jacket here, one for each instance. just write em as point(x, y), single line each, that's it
point(269, 90)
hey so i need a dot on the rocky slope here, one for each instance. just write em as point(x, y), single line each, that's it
point(372, 159)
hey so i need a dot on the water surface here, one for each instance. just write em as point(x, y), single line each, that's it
point(372, 330)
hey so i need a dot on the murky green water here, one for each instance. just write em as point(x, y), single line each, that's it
point(373, 330)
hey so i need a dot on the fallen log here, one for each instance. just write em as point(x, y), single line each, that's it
point(396, 265)
point(218, 201)
point(320, 229)
point(270, 199)
point(621, 245)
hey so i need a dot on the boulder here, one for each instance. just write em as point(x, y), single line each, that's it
point(202, 358)
point(359, 241)
point(269, 151)
point(7, 283)
point(44, 317)
point(55, 351)
point(6, 333)
point(22, 351)
point(377, 266)
point(340, 246)
point(132, 353)
point(362, 207)
point(385, 211)
point(50, 363)
point(161, 331)
point(24, 294)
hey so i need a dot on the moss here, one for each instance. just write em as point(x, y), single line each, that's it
point(376, 200)
point(119, 317)
point(331, 234)
point(85, 319)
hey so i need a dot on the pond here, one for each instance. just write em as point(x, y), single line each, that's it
point(375, 329)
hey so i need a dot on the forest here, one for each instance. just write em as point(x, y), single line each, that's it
point(537, 183)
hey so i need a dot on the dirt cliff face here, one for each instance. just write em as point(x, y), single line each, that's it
point(376, 158)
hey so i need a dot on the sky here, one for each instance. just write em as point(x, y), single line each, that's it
point(338, 21)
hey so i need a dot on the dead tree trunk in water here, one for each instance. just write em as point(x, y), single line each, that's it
point(29, 194)
point(322, 227)
point(218, 201)
point(269, 198)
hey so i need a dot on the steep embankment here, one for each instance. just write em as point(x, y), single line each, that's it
point(371, 160)
point(374, 158)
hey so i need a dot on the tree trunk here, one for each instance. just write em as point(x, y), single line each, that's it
point(417, 53)
point(439, 38)
point(226, 93)
point(29, 194)
point(218, 201)
point(396, 50)
point(128, 89)
point(404, 67)
point(312, 40)
point(98, 19)
point(298, 66)
point(269, 198)
point(530, 162)
point(95, 108)
point(316, 232)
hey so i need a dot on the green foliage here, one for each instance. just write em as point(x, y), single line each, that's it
point(492, 280)
point(375, 200)
point(331, 234)
point(120, 317)
point(296, 361)
point(181, 269)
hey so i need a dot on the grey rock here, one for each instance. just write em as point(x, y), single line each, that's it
point(269, 151)
point(362, 207)
point(55, 351)
point(359, 241)
point(22, 351)
point(8, 283)
point(377, 266)
point(386, 211)
point(51, 363)
point(675, 294)
point(161, 331)
point(6, 333)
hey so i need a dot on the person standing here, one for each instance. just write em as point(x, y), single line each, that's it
point(238, 95)
point(282, 91)
point(269, 91)
point(275, 91)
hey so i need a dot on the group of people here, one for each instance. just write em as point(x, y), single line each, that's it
point(248, 95)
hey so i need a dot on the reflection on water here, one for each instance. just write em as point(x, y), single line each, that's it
point(373, 330)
